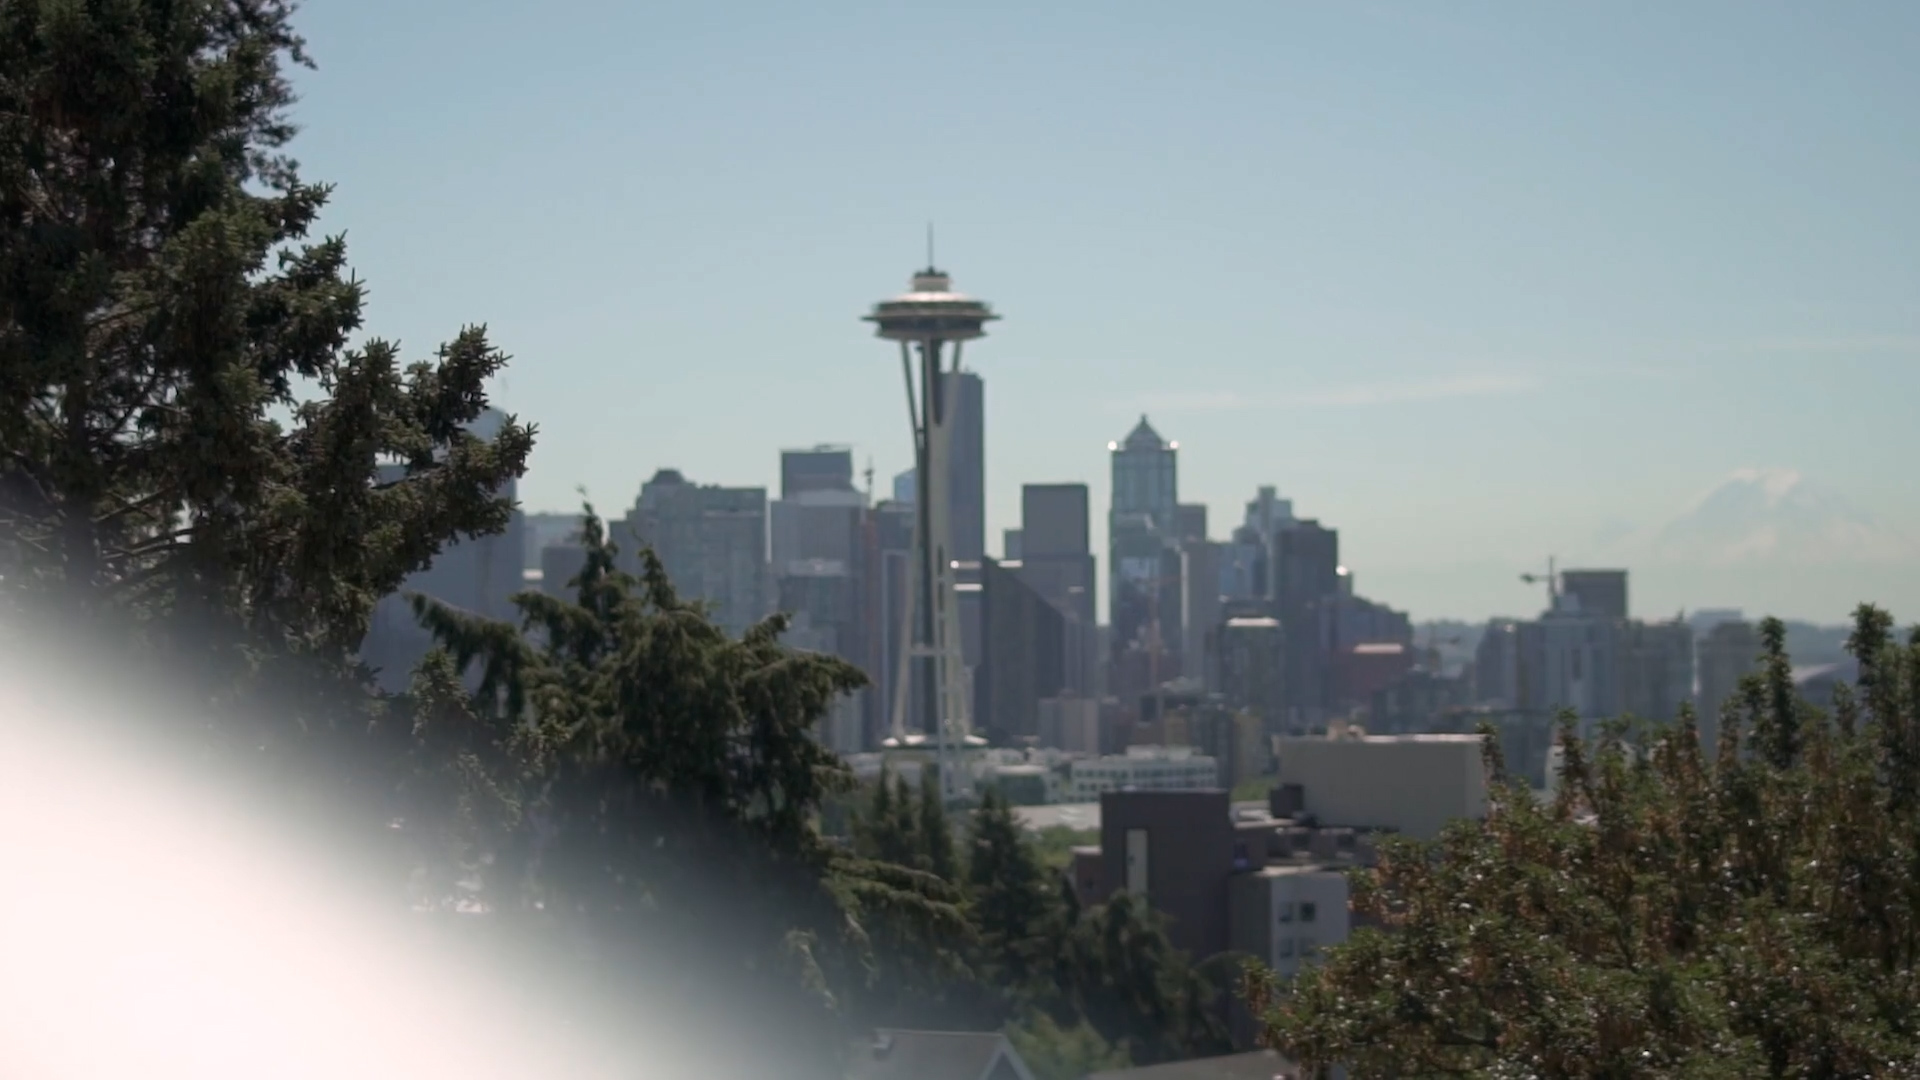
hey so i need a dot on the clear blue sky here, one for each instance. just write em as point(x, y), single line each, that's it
point(1470, 281)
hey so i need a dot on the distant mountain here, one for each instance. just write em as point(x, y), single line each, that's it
point(1771, 517)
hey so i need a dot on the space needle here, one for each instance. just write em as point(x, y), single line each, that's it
point(932, 322)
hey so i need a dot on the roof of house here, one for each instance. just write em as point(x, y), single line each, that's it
point(1258, 1065)
point(937, 1055)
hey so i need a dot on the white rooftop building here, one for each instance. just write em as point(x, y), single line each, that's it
point(1141, 768)
point(1411, 784)
point(1286, 915)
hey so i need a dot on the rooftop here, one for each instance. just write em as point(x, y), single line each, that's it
point(937, 1055)
point(1258, 1065)
point(1379, 648)
point(1143, 437)
point(1427, 737)
point(1076, 816)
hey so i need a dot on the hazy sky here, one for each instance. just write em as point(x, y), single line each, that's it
point(1472, 282)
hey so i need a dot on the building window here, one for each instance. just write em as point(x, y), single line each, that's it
point(1306, 911)
point(1286, 911)
point(1285, 948)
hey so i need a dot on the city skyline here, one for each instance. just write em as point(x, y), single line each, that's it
point(1481, 286)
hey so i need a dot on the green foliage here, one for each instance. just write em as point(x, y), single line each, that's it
point(1105, 984)
point(935, 832)
point(1011, 903)
point(1054, 1051)
point(676, 778)
point(188, 446)
point(1115, 966)
point(889, 830)
point(1252, 789)
point(1746, 910)
point(1054, 845)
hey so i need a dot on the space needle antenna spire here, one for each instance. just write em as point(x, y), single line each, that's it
point(931, 699)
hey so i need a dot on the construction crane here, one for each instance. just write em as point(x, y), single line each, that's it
point(1552, 581)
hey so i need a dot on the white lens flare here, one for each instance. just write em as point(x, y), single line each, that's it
point(144, 932)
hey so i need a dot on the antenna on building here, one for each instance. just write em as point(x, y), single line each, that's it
point(930, 263)
point(868, 475)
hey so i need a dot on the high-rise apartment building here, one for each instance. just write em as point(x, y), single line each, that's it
point(544, 529)
point(821, 468)
point(1727, 653)
point(890, 577)
point(712, 542)
point(1200, 600)
point(967, 467)
point(1305, 578)
point(1656, 668)
point(1056, 561)
point(1024, 642)
point(1190, 522)
point(1600, 593)
point(1251, 651)
point(1054, 520)
point(1496, 666)
point(1268, 513)
point(478, 575)
point(1145, 591)
point(560, 567)
point(823, 596)
point(1146, 478)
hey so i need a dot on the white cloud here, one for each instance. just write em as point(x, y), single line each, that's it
point(1349, 395)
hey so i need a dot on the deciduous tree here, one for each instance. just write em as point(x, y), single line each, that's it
point(1750, 909)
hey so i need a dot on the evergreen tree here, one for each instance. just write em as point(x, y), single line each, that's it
point(188, 445)
point(935, 832)
point(1055, 1051)
point(1750, 912)
point(887, 832)
point(911, 851)
point(1136, 989)
point(675, 778)
point(1009, 899)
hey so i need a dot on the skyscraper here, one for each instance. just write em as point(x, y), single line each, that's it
point(1190, 522)
point(1024, 642)
point(822, 468)
point(1054, 520)
point(1306, 576)
point(967, 467)
point(1656, 668)
point(1252, 652)
point(1056, 560)
point(1146, 478)
point(1727, 653)
point(1601, 593)
point(712, 542)
point(890, 576)
point(1145, 569)
point(478, 575)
